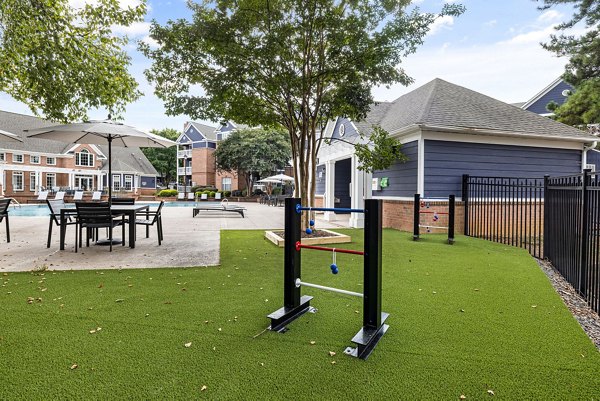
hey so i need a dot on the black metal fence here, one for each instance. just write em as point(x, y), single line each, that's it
point(572, 231)
point(508, 210)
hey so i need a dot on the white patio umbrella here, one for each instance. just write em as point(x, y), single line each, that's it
point(269, 181)
point(4, 135)
point(99, 133)
point(280, 178)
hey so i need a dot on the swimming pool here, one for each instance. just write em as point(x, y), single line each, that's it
point(42, 209)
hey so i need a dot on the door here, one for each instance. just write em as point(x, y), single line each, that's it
point(343, 179)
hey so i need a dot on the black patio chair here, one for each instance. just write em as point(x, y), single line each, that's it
point(55, 206)
point(95, 215)
point(4, 204)
point(156, 218)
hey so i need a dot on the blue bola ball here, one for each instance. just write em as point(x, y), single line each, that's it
point(311, 223)
point(334, 268)
point(308, 231)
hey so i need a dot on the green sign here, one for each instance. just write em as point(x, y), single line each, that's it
point(384, 182)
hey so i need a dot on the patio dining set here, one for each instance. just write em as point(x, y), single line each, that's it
point(89, 217)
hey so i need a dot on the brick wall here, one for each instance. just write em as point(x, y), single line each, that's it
point(399, 215)
point(203, 166)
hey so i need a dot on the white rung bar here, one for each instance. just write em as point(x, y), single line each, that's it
point(322, 287)
point(438, 227)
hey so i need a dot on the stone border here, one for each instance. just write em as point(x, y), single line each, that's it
point(335, 238)
point(587, 318)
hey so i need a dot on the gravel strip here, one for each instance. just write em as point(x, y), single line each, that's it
point(587, 318)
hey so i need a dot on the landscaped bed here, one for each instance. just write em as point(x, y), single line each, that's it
point(465, 320)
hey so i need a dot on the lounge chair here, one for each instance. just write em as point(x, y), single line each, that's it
point(204, 197)
point(223, 207)
point(97, 195)
point(191, 196)
point(78, 196)
point(218, 196)
point(4, 203)
point(60, 195)
point(180, 196)
point(42, 197)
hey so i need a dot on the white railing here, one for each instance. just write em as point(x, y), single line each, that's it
point(184, 153)
point(184, 170)
point(181, 188)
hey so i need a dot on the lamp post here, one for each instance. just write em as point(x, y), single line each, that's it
point(185, 162)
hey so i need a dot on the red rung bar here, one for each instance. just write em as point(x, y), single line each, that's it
point(299, 245)
point(424, 211)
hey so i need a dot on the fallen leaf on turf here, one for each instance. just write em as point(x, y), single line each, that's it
point(462, 310)
point(98, 328)
point(534, 306)
point(220, 329)
point(331, 353)
point(119, 300)
point(203, 388)
point(356, 311)
point(333, 362)
point(313, 342)
point(92, 331)
point(187, 345)
point(491, 392)
point(74, 366)
point(462, 397)
point(206, 321)
point(262, 364)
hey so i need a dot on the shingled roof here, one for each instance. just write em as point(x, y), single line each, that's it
point(132, 158)
point(209, 132)
point(442, 104)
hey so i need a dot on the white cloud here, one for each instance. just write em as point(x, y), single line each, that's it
point(550, 16)
point(490, 24)
point(134, 30)
point(440, 23)
point(150, 42)
point(536, 36)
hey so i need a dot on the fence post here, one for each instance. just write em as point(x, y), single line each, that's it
point(465, 199)
point(582, 282)
point(545, 238)
point(416, 216)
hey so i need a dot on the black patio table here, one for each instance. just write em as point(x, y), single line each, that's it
point(128, 210)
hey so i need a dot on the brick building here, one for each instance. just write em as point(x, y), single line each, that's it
point(42, 164)
point(196, 163)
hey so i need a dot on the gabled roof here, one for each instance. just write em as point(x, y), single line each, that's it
point(206, 130)
point(558, 85)
point(16, 123)
point(443, 105)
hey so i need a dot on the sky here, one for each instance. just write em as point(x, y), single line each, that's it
point(493, 48)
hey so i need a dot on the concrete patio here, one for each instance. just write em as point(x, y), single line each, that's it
point(187, 241)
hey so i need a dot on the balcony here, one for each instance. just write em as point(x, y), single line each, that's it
point(181, 188)
point(184, 153)
point(184, 171)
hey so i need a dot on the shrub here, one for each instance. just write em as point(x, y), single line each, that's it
point(237, 192)
point(226, 194)
point(167, 192)
point(202, 189)
point(244, 192)
point(211, 194)
point(276, 191)
point(258, 192)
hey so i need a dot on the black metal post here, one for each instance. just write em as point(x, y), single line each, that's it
point(451, 203)
point(294, 305)
point(546, 237)
point(583, 261)
point(416, 217)
point(465, 199)
point(373, 319)
point(109, 181)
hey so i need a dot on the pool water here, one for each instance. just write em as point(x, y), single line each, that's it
point(42, 209)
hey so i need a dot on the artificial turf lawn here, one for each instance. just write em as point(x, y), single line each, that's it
point(465, 319)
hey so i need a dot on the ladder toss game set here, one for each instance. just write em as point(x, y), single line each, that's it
point(295, 304)
point(421, 206)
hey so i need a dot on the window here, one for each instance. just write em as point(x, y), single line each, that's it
point(17, 180)
point(226, 184)
point(128, 185)
point(84, 182)
point(51, 160)
point(50, 180)
point(17, 158)
point(34, 159)
point(84, 158)
point(2, 157)
point(32, 182)
point(116, 181)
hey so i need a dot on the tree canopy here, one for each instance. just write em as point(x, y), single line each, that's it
point(61, 61)
point(164, 160)
point(583, 68)
point(286, 63)
point(253, 152)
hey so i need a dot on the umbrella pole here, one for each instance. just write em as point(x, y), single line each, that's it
point(109, 170)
